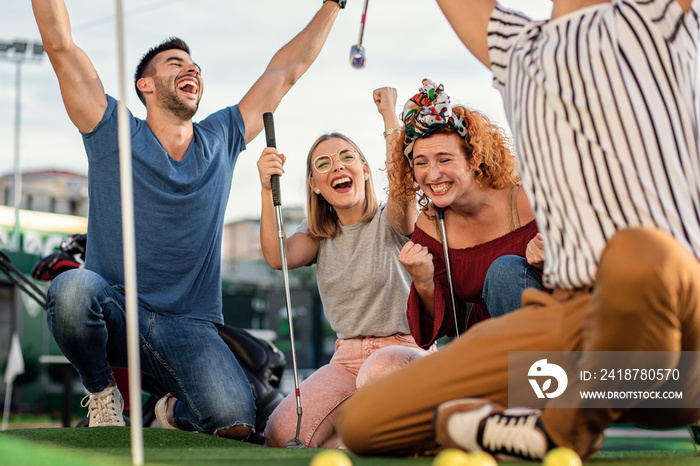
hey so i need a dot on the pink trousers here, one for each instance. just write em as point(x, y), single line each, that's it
point(355, 363)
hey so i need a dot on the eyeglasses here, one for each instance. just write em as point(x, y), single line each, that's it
point(324, 163)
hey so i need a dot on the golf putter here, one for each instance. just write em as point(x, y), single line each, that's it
point(357, 52)
point(445, 249)
point(277, 201)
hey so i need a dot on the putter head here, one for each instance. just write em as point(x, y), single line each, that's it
point(357, 57)
point(295, 443)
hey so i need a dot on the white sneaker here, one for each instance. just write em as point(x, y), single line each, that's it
point(105, 408)
point(162, 412)
point(480, 425)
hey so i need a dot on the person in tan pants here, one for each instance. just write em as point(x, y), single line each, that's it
point(600, 100)
point(631, 308)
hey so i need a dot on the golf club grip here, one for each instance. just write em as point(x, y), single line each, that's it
point(276, 195)
point(269, 123)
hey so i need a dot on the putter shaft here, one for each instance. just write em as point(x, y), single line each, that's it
point(445, 249)
point(362, 25)
point(295, 442)
point(357, 52)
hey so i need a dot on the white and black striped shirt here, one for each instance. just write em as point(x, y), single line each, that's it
point(603, 108)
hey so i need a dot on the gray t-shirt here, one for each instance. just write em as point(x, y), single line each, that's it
point(363, 286)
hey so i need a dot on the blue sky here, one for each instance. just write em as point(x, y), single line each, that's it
point(405, 41)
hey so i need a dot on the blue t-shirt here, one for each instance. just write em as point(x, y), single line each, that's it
point(178, 209)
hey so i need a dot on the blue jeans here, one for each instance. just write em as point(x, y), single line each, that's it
point(507, 278)
point(88, 321)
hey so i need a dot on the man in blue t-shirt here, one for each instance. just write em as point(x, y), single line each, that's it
point(182, 174)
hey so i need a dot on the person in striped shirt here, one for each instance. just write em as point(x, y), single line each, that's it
point(602, 103)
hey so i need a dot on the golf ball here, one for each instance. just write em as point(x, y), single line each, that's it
point(452, 457)
point(330, 458)
point(562, 456)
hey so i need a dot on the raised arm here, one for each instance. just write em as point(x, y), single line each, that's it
point(285, 69)
point(470, 19)
point(81, 88)
point(300, 248)
point(402, 217)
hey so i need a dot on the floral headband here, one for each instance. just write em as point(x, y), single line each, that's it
point(426, 112)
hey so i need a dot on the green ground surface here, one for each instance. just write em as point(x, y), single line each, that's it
point(111, 446)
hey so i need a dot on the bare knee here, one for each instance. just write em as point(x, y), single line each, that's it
point(235, 432)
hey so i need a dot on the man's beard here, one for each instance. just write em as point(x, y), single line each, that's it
point(169, 100)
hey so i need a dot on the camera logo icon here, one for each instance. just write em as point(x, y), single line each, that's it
point(546, 372)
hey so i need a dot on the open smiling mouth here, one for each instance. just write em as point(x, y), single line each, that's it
point(342, 184)
point(440, 188)
point(189, 86)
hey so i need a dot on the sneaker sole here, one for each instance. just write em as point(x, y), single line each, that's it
point(161, 411)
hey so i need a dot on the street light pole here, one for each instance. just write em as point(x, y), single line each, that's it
point(17, 52)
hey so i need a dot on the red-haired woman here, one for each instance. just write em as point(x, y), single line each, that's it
point(462, 168)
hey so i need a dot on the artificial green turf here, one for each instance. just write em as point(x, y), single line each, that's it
point(111, 446)
point(17, 451)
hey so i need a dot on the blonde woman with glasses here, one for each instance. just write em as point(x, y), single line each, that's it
point(354, 243)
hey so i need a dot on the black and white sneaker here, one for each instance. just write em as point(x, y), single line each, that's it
point(474, 424)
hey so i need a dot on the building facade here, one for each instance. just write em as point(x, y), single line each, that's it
point(58, 192)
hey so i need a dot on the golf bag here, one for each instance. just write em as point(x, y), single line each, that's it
point(262, 363)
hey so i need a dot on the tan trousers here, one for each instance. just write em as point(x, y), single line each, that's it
point(647, 297)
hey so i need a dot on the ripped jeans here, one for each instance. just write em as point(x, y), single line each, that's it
point(88, 321)
point(356, 362)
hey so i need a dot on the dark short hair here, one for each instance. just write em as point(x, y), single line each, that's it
point(171, 43)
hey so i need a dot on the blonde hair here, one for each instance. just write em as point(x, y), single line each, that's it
point(485, 143)
point(322, 220)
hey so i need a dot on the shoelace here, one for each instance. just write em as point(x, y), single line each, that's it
point(512, 434)
point(103, 408)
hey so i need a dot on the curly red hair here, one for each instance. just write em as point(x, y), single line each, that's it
point(485, 142)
